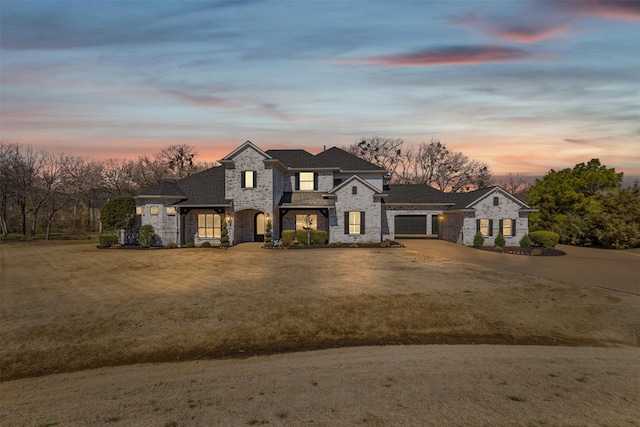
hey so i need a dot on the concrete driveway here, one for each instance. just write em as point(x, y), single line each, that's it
point(609, 269)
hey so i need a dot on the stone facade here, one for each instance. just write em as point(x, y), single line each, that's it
point(351, 186)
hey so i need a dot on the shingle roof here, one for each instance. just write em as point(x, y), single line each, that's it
point(336, 157)
point(304, 199)
point(165, 188)
point(204, 188)
point(416, 193)
point(293, 158)
point(463, 200)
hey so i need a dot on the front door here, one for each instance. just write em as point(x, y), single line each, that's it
point(258, 227)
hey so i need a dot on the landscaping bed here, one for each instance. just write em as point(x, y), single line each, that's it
point(515, 250)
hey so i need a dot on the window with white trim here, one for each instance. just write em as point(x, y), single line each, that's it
point(307, 181)
point(138, 210)
point(209, 226)
point(171, 210)
point(154, 210)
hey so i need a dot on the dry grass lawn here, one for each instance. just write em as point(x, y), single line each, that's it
point(68, 306)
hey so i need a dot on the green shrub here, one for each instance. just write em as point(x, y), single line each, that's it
point(500, 242)
point(525, 242)
point(171, 245)
point(107, 240)
point(318, 237)
point(268, 236)
point(224, 235)
point(190, 245)
point(147, 236)
point(478, 240)
point(205, 245)
point(118, 213)
point(547, 239)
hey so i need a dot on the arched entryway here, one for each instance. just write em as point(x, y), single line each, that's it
point(258, 227)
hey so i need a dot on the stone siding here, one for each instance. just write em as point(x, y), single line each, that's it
point(507, 209)
point(362, 202)
point(165, 226)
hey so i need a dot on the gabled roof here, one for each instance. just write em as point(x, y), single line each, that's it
point(416, 194)
point(347, 162)
point(248, 144)
point(350, 180)
point(467, 200)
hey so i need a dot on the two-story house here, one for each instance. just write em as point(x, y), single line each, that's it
point(342, 194)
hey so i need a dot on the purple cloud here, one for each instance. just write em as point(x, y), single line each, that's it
point(459, 55)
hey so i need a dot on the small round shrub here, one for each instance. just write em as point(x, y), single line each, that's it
point(525, 242)
point(547, 239)
point(147, 236)
point(500, 242)
point(171, 245)
point(478, 240)
point(205, 245)
point(190, 245)
point(107, 240)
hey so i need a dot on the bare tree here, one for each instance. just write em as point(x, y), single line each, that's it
point(179, 160)
point(514, 183)
point(117, 175)
point(385, 152)
point(21, 173)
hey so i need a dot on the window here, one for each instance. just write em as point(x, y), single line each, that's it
point(154, 210)
point(307, 181)
point(508, 227)
point(138, 210)
point(485, 226)
point(496, 201)
point(354, 190)
point(301, 222)
point(354, 223)
point(337, 181)
point(248, 179)
point(171, 210)
point(209, 225)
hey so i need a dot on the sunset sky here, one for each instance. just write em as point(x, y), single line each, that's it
point(524, 86)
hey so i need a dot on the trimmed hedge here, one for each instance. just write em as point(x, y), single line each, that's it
point(205, 245)
point(500, 242)
point(525, 242)
point(547, 239)
point(318, 237)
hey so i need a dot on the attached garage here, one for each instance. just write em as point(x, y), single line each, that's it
point(411, 224)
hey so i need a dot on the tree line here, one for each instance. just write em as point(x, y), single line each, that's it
point(41, 190)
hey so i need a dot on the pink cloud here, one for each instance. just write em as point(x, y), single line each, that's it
point(627, 10)
point(525, 34)
point(465, 55)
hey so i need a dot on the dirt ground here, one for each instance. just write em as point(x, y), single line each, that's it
point(72, 308)
point(365, 386)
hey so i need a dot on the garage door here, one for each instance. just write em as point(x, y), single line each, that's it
point(411, 224)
